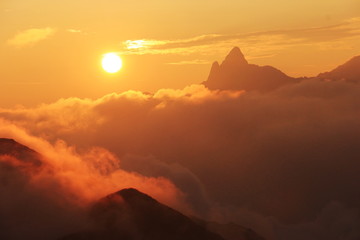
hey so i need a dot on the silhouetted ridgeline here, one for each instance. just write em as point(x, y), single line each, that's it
point(126, 215)
point(235, 73)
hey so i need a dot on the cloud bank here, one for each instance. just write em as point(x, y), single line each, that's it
point(47, 195)
point(283, 162)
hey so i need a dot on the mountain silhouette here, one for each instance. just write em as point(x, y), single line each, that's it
point(127, 214)
point(11, 148)
point(235, 73)
point(130, 214)
point(349, 71)
point(235, 58)
point(230, 231)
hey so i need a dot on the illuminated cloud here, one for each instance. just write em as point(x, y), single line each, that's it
point(96, 167)
point(266, 42)
point(54, 187)
point(31, 36)
point(236, 156)
point(142, 44)
point(74, 30)
point(190, 62)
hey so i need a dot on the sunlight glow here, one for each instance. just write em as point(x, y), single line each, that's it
point(142, 43)
point(111, 63)
point(134, 44)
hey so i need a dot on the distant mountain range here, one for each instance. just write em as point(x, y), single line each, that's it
point(131, 215)
point(235, 73)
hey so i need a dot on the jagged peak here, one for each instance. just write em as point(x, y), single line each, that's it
point(214, 68)
point(215, 65)
point(235, 57)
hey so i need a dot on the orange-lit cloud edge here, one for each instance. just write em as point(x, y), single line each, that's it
point(75, 135)
point(97, 172)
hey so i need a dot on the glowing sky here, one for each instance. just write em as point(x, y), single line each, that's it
point(53, 49)
point(279, 156)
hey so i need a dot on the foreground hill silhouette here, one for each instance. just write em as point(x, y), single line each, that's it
point(230, 231)
point(130, 214)
point(127, 214)
point(11, 148)
point(235, 73)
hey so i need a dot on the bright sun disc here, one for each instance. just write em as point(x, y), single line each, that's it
point(111, 63)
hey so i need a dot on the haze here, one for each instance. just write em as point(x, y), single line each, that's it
point(241, 116)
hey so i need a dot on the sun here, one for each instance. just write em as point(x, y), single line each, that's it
point(111, 62)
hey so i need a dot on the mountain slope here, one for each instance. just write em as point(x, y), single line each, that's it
point(235, 73)
point(230, 231)
point(127, 214)
point(349, 71)
point(130, 214)
point(11, 148)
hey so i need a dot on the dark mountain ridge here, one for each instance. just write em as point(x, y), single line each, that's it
point(235, 73)
point(130, 214)
point(11, 148)
point(127, 214)
point(349, 71)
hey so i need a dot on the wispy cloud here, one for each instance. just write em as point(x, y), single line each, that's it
point(257, 44)
point(190, 62)
point(71, 30)
point(31, 36)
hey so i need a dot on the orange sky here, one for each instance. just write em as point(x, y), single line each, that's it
point(53, 49)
